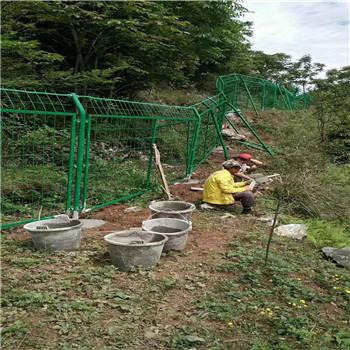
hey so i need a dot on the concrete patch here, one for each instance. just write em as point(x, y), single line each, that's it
point(91, 223)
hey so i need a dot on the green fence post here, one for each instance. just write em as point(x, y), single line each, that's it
point(150, 161)
point(196, 135)
point(284, 98)
point(274, 96)
point(263, 98)
point(80, 157)
point(253, 131)
point(249, 95)
point(221, 139)
point(71, 164)
point(86, 162)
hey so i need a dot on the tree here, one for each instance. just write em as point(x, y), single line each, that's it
point(303, 72)
point(117, 47)
point(273, 67)
point(332, 105)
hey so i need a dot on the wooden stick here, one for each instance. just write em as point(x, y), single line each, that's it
point(272, 229)
point(160, 167)
point(201, 189)
point(40, 210)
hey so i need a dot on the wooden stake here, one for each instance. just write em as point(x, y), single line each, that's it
point(271, 231)
point(160, 167)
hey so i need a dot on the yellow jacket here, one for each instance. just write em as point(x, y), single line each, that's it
point(220, 186)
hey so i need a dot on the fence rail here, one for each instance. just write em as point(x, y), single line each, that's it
point(63, 152)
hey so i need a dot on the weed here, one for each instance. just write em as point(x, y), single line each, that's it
point(323, 233)
point(167, 283)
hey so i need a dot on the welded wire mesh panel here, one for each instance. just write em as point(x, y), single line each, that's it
point(103, 106)
point(35, 165)
point(122, 161)
point(119, 161)
point(211, 109)
point(242, 91)
point(22, 101)
point(207, 138)
point(175, 141)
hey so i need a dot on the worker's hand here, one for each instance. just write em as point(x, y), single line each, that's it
point(247, 188)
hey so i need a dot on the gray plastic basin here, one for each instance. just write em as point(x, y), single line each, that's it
point(172, 209)
point(55, 234)
point(175, 229)
point(135, 248)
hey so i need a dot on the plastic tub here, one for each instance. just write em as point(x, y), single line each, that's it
point(135, 248)
point(175, 229)
point(60, 233)
point(172, 209)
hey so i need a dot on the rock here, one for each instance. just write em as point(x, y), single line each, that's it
point(231, 134)
point(227, 216)
point(149, 334)
point(92, 223)
point(328, 251)
point(190, 182)
point(206, 206)
point(340, 256)
point(193, 339)
point(262, 180)
point(132, 210)
point(268, 220)
point(295, 231)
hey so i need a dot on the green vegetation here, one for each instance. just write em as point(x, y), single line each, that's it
point(222, 300)
point(327, 234)
point(313, 186)
point(217, 294)
point(119, 48)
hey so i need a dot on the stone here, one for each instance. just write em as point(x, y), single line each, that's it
point(328, 251)
point(227, 216)
point(149, 334)
point(268, 220)
point(91, 223)
point(190, 182)
point(340, 256)
point(231, 134)
point(294, 231)
point(132, 210)
point(206, 206)
point(193, 339)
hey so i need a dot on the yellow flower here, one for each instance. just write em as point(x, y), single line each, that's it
point(347, 291)
point(294, 304)
point(230, 324)
point(302, 301)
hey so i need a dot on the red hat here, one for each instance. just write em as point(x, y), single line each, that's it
point(245, 156)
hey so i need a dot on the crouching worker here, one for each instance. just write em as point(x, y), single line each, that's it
point(220, 189)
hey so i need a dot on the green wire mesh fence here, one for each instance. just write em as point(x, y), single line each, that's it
point(245, 93)
point(119, 148)
point(251, 93)
point(37, 148)
point(63, 152)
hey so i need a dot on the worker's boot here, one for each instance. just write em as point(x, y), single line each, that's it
point(247, 211)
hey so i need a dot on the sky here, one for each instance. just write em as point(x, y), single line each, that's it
point(320, 28)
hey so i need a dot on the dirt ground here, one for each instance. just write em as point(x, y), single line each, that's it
point(79, 301)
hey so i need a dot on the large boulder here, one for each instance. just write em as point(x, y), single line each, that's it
point(340, 256)
point(232, 135)
point(295, 231)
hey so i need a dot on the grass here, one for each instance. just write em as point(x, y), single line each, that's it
point(323, 233)
point(205, 299)
point(313, 185)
